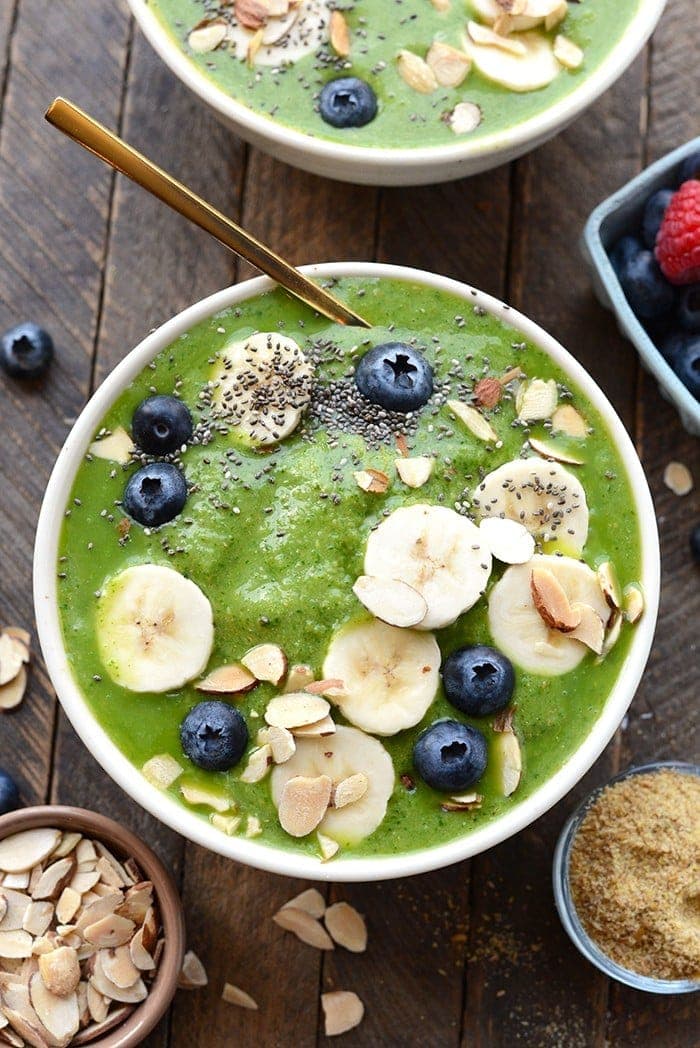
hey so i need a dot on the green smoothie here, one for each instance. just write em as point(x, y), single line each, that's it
point(275, 538)
point(506, 83)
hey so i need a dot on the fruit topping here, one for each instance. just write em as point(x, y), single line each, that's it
point(687, 365)
point(214, 735)
point(303, 803)
point(507, 756)
point(450, 756)
point(678, 241)
point(395, 376)
point(478, 680)
point(415, 472)
point(161, 425)
point(654, 211)
point(689, 308)
point(234, 679)
point(267, 662)
point(390, 600)
point(347, 102)
point(115, 446)
point(475, 422)
point(536, 400)
point(155, 494)
point(9, 794)
point(528, 65)
point(508, 540)
point(26, 351)
point(644, 284)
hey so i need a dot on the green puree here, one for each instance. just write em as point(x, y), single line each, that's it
point(406, 118)
point(285, 575)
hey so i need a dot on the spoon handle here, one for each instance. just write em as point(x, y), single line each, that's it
point(123, 157)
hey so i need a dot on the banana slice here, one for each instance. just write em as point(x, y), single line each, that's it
point(286, 37)
point(517, 627)
point(542, 495)
point(389, 674)
point(530, 71)
point(155, 628)
point(262, 385)
point(349, 752)
point(438, 552)
point(489, 11)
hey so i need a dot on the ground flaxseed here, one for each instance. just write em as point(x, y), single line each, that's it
point(634, 874)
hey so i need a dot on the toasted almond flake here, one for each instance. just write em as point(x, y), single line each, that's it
point(464, 118)
point(85, 851)
point(117, 447)
point(549, 450)
point(15, 908)
point(228, 680)
point(118, 868)
point(310, 901)
point(234, 995)
point(537, 400)
point(304, 926)
point(126, 995)
point(98, 1006)
point(60, 1015)
point(13, 655)
point(295, 710)
point(267, 662)
point(328, 847)
point(137, 902)
point(110, 931)
point(141, 957)
point(259, 764)
point(253, 827)
point(391, 600)
point(23, 850)
point(607, 578)
point(634, 603)
point(228, 824)
point(30, 1032)
point(101, 907)
point(481, 34)
point(416, 471)
point(299, 676)
point(401, 444)
point(200, 795)
point(254, 45)
point(468, 801)
point(346, 927)
point(16, 881)
point(333, 687)
point(567, 53)
point(612, 634)
point(507, 540)
point(556, 15)
point(162, 770)
point(119, 967)
point(416, 72)
point(251, 14)
point(207, 37)
point(457, 806)
point(60, 971)
point(54, 879)
point(68, 905)
point(371, 480)
point(590, 629)
point(85, 882)
point(551, 601)
point(326, 726)
point(3, 907)
point(68, 843)
point(449, 65)
point(342, 1011)
point(282, 744)
point(678, 478)
point(303, 803)
point(16, 943)
point(350, 790)
point(12, 693)
point(508, 760)
point(339, 34)
point(473, 420)
point(566, 419)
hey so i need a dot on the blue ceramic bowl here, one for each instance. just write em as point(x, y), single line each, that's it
point(619, 215)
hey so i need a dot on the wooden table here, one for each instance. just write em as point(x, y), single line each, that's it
point(473, 955)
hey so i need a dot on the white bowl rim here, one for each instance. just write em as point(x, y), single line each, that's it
point(536, 128)
point(256, 853)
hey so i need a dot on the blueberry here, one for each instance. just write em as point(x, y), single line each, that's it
point(695, 543)
point(214, 735)
point(623, 252)
point(161, 424)
point(647, 290)
point(449, 755)
point(155, 494)
point(672, 345)
point(690, 168)
point(653, 215)
point(9, 794)
point(687, 366)
point(395, 376)
point(478, 680)
point(347, 102)
point(26, 351)
point(689, 307)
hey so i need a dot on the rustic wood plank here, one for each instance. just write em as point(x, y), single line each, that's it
point(7, 19)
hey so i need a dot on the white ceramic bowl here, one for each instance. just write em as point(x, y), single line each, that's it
point(400, 167)
point(166, 808)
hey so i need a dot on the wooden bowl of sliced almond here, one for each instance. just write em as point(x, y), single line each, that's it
point(92, 932)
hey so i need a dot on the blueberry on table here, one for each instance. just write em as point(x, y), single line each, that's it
point(687, 366)
point(695, 543)
point(347, 102)
point(26, 351)
point(395, 376)
point(155, 494)
point(690, 168)
point(689, 307)
point(654, 212)
point(450, 756)
point(478, 680)
point(648, 292)
point(161, 424)
point(9, 794)
point(214, 735)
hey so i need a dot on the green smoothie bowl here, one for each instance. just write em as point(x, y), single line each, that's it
point(390, 93)
point(347, 603)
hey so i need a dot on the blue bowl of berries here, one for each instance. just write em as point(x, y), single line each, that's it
point(643, 247)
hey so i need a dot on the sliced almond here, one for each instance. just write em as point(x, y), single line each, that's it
point(311, 901)
point(304, 926)
point(634, 603)
point(23, 850)
point(94, 911)
point(416, 471)
point(551, 601)
point(331, 687)
point(590, 629)
point(350, 790)
point(507, 540)
point(29, 1032)
point(342, 1011)
point(85, 851)
point(463, 802)
point(481, 34)
point(95, 1031)
point(60, 971)
point(12, 693)
point(329, 848)
point(233, 994)
point(254, 45)
point(607, 577)
point(537, 400)
point(137, 902)
point(298, 677)
point(98, 1005)
point(475, 422)
point(18, 881)
point(267, 662)
point(339, 34)
point(303, 803)
point(346, 927)
point(126, 995)
point(566, 419)
point(449, 65)
point(282, 744)
point(68, 843)
point(207, 38)
point(85, 882)
point(117, 446)
point(141, 957)
point(68, 904)
point(228, 824)
point(119, 967)
point(54, 879)
point(110, 931)
point(259, 764)
point(416, 72)
point(16, 943)
point(567, 53)
point(508, 761)
point(193, 974)
point(549, 450)
point(253, 826)
point(464, 118)
point(251, 14)
point(326, 726)
point(228, 680)
point(373, 481)
point(391, 600)
point(13, 655)
point(296, 709)
point(119, 868)
point(678, 478)
point(14, 907)
point(162, 770)
point(200, 795)
point(612, 634)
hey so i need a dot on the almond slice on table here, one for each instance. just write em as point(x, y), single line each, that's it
point(391, 600)
point(234, 679)
point(566, 419)
point(590, 629)
point(13, 655)
point(475, 422)
point(12, 693)
point(678, 478)
point(296, 710)
point(234, 995)
point(551, 601)
point(508, 540)
point(350, 790)
point(342, 1011)
point(26, 849)
point(311, 901)
point(193, 974)
point(303, 803)
point(346, 927)
point(449, 65)
point(304, 926)
point(267, 662)
point(549, 450)
point(259, 764)
point(416, 72)
point(162, 770)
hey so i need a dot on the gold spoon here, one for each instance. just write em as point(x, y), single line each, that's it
point(123, 157)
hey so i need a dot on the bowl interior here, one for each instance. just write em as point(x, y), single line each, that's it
point(189, 824)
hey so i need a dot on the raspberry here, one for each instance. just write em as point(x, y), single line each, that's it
point(678, 240)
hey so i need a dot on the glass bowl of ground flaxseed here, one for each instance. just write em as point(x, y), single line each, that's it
point(627, 877)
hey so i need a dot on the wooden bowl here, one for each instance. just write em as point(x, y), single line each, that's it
point(125, 844)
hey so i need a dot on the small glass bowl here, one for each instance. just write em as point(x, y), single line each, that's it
point(565, 904)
